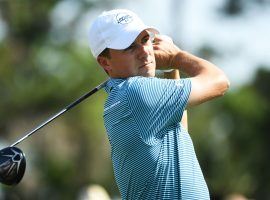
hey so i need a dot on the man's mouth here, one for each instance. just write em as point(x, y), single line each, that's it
point(145, 64)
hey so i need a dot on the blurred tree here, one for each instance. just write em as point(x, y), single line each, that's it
point(42, 69)
point(245, 114)
point(234, 148)
point(233, 7)
point(237, 7)
point(249, 139)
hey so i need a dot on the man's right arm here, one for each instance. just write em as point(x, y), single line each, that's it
point(208, 81)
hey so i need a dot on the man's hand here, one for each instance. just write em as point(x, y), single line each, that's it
point(207, 80)
point(165, 51)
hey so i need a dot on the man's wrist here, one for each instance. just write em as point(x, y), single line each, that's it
point(177, 60)
point(187, 63)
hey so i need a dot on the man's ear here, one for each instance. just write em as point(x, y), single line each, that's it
point(104, 62)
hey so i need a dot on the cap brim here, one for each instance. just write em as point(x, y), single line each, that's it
point(153, 30)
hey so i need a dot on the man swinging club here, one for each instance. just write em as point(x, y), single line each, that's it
point(152, 153)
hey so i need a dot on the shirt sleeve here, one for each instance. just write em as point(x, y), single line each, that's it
point(157, 103)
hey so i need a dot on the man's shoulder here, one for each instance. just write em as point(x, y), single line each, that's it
point(130, 83)
point(140, 83)
point(139, 80)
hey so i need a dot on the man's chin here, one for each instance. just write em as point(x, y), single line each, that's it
point(148, 71)
point(148, 74)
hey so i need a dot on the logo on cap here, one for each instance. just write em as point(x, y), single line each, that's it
point(123, 18)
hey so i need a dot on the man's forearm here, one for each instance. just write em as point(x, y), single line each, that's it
point(208, 81)
point(192, 65)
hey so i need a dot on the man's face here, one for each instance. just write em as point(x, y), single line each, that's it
point(136, 60)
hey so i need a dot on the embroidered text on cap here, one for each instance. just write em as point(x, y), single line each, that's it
point(123, 18)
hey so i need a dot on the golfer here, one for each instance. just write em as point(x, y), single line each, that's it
point(152, 153)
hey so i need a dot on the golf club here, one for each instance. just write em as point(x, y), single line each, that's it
point(12, 159)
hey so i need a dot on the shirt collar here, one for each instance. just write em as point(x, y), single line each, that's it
point(112, 83)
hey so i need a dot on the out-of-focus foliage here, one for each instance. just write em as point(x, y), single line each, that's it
point(43, 68)
point(232, 138)
point(238, 7)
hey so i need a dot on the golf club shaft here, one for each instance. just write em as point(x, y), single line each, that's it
point(61, 112)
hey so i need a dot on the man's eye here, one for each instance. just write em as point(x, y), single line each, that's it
point(145, 40)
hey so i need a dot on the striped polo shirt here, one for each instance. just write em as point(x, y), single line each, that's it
point(152, 153)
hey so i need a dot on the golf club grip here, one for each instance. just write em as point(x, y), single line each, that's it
point(88, 94)
point(85, 96)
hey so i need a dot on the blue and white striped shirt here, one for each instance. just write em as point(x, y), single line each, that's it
point(152, 153)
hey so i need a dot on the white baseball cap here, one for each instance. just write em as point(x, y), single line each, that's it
point(115, 29)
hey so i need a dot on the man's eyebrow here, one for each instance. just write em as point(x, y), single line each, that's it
point(133, 43)
point(146, 36)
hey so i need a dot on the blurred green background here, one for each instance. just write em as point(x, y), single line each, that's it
point(45, 64)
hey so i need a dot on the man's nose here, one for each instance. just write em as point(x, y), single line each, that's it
point(143, 51)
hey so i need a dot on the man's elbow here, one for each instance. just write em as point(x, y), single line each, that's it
point(222, 84)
